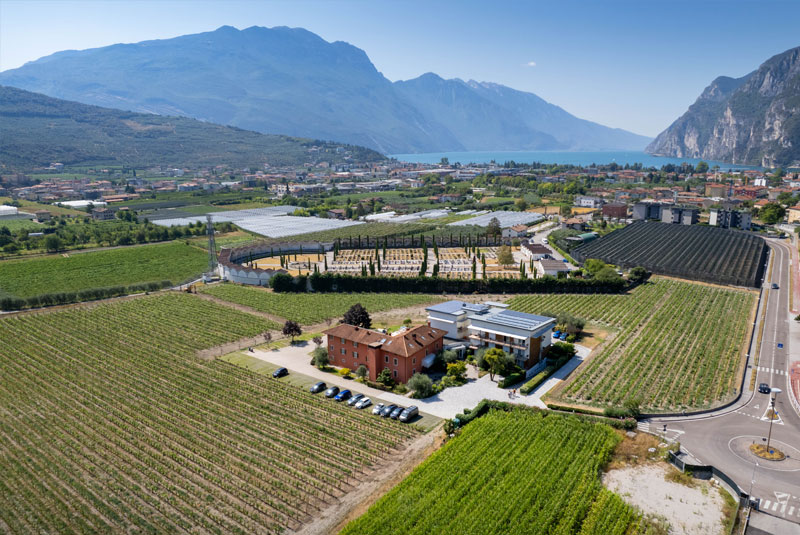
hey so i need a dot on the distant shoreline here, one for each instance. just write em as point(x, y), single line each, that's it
point(560, 157)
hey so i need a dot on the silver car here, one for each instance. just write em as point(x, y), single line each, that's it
point(355, 399)
point(378, 408)
point(363, 403)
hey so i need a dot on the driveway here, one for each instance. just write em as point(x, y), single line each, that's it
point(446, 404)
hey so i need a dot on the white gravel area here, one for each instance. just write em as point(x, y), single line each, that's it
point(689, 510)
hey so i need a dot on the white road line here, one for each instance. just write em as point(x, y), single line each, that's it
point(765, 505)
point(775, 506)
point(791, 510)
point(783, 508)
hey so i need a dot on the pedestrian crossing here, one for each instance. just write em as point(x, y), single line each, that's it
point(771, 370)
point(644, 427)
point(782, 508)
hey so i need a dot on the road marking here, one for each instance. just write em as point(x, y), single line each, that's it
point(791, 510)
point(765, 505)
point(775, 506)
point(770, 370)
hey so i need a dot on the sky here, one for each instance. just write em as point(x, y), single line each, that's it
point(636, 65)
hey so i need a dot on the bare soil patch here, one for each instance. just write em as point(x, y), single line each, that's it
point(689, 510)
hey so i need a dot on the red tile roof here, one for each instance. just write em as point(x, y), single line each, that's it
point(404, 344)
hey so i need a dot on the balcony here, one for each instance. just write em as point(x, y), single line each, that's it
point(483, 338)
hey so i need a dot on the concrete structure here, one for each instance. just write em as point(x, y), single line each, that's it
point(42, 215)
point(524, 336)
point(716, 189)
point(574, 223)
point(453, 317)
point(793, 214)
point(102, 214)
point(730, 219)
point(586, 201)
point(404, 353)
point(516, 231)
point(643, 211)
point(535, 251)
point(615, 210)
point(680, 215)
point(548, 266)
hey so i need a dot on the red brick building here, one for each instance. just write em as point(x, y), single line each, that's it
point(615, 210)
point(402, 353)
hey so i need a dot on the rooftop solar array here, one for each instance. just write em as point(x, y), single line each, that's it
point(506, 219)
point(519, 320)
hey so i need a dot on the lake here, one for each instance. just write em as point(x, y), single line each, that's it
point(558, 157)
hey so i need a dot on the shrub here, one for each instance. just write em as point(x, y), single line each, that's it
point(361, 372)
point(344, 372)
point(512, 379)
point(320, 357)
point(535, 381)
point(421, 384)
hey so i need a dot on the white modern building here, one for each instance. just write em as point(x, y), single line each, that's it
point(525, 336)
point(549, 266)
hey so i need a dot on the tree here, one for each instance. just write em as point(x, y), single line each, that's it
point(521, 204)
point(291, 328)
point(772, 213)
point(385, 378)
point(593, 265)
point(504, 256)
point(638, 275)
point(361, 371)
point(421, 384)
point(317, 340)
point(607, 274)
point(496, 359)
point(267, 337)
point(493, 228)
point(702, 167)
point(52, 243)
point(457, 369)
point(321, 358)
point(449, 355)
point(358, 316)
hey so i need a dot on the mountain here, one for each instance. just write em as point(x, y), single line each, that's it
point(37, 130)
point(291, 81)
point(753, 120)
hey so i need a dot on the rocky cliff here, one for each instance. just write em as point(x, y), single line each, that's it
point(752, 120)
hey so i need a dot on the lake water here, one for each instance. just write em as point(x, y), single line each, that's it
point(558, 157)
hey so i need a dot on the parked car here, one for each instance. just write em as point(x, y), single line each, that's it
point(774, 286)
point(280, 372)
point(355, 399)
point(316, 388)
point(764, 388)
point(556, 333)
point(409, 414)
point(332, 391)
point(396, 413)
point(378, 409)
point(544, 241)
point(343, 395)
point(563, 336)
point(363, 403)
point(387, 410)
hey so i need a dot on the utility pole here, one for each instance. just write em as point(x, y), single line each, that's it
point(775, 391)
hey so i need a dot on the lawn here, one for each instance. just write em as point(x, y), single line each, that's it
point(14, 225)
point(112, 425)
point(679, 345)
point(124, 266)
point(309, 309)
point(509, 473)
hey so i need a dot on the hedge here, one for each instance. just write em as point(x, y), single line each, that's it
point(327, 282)
point(486, 405)
point(90, 294)
point(512, 379)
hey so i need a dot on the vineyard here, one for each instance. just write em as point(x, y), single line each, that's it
point(309, 309)
point(509, 473)
point(679, 344)
point(111, 425)
point(693, 252)
point(100, 269)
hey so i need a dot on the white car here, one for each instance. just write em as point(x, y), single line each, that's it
point(363, 403)
point(544, 241)
point(378, 408)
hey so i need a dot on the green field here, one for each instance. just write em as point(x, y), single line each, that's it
point(508, 473)
point(173, 261)
point(14, 225)
point(112, 425)
point(678, 346)
point(309, 309)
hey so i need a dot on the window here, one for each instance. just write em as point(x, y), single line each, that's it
point(344, 351)
point(355, 344)
point(343, 341)
point(331, 347)
point(395, 373)
point(413, 371)
point(355, 354)
point(395, 362)
point(344, 361)
point(386, 358)
point(414, 360)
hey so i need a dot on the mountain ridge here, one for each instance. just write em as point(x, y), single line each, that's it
point(291, 81)
point(754, 119)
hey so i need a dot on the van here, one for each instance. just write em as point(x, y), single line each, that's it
point(409, 414)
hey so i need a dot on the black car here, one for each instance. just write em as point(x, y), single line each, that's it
point(280, 372)
point(332, 391)
point(764, 388)
point(387, 410)
point(396, 413)
point(774, 286)
point(316, 388)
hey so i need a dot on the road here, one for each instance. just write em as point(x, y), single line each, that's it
point(722, 439)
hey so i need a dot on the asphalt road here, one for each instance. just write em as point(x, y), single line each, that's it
point(722, 439)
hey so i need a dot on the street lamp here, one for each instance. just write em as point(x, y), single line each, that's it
point(775, 391)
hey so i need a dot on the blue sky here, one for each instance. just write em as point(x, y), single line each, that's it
point(629, 64)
